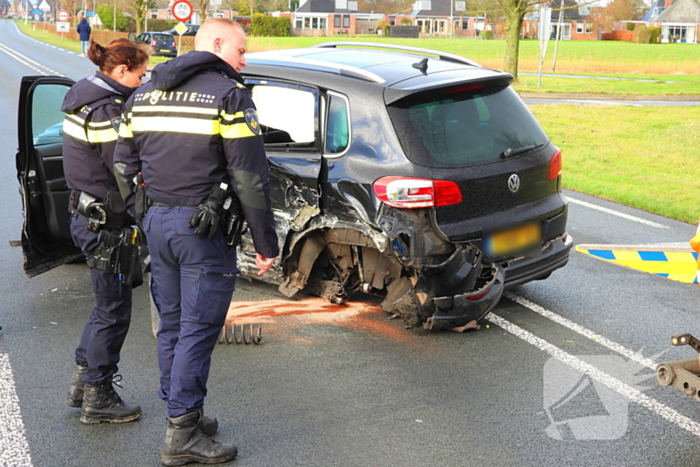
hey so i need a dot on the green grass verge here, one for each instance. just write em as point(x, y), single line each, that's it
point(645, 157)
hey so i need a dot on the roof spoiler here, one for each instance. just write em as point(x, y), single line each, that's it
point(393, 94)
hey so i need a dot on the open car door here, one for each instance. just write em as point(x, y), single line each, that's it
point(46, 240)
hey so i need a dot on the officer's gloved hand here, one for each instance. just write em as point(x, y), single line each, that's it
point(207, 217)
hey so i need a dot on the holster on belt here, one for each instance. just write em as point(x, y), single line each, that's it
point(233, 220)
point(119, 252)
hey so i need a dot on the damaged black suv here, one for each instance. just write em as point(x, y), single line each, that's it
point(410, 174)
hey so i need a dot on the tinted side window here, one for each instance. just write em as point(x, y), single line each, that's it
point(163, 37)
point(287, 115)
point(457, 128)
point(47, 118)
point(337, 125)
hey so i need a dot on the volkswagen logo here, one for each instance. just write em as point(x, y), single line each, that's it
point(514, 183)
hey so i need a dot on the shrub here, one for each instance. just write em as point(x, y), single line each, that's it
point(406, 21)
point(270, 26)
point(654, 35)
point(161, 25)
point(486, 34)
point(629, 26)
point(106, 14)
point(642, 35)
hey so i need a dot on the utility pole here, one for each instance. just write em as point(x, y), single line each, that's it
point(559, 35)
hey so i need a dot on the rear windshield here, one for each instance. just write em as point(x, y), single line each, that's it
point(459, 127)
point(163, 37)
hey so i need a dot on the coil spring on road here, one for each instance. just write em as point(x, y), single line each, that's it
point(241, 334)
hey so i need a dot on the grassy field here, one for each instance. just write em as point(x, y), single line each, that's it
point(645, 157)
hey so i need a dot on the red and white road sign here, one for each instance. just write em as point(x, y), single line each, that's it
point(182, 10)
point(62, 15)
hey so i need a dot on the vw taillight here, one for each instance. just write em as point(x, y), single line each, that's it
point(555, 165)
point(406, 192)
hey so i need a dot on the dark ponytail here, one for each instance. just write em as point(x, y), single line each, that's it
point(118, 52)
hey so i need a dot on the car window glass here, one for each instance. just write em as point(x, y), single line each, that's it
point(47, 118)
point(455, 129)
point(161, 37)
point(337, 129)
point(286, 115)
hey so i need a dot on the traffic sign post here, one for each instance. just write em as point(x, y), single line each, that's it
point(182, 11)
point(62, 25)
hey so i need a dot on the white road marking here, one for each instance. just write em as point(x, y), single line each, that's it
point(617, 213)
point(615, 384)
point(630, 354)
point(14, 449)
point(38, 67)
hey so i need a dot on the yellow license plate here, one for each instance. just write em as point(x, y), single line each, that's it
point(165, 50)
point(509, 241)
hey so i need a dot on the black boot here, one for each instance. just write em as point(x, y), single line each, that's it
point(75, 391)
point(102, 404)
point(208, 425)
point(185, 443)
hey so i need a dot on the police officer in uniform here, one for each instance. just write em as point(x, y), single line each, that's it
point(191, 137)
point(93, 111)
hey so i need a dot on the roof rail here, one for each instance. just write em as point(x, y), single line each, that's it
point(406, 48)
point(340, 69)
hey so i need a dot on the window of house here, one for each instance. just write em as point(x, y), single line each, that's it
point(336, 21)
point(584, 28)
point(346, 21)
point(299, 23)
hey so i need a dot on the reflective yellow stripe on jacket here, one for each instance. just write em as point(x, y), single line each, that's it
point(187, 120)
point(97, 132)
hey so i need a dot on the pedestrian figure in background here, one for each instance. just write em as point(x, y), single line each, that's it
point(199, 155)
point(93, 111)
point(84, 31)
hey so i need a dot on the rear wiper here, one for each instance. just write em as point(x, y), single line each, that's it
point(510, 152)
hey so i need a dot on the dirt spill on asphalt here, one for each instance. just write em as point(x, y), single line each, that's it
point(316, 311)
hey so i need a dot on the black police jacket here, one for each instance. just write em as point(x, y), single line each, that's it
point(93, 108)
point(192, 126)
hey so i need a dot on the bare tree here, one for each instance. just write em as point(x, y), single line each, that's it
point(140, 10)
point(514, 13)
point(202, 6)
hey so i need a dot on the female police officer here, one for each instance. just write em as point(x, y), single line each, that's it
point(93, 111)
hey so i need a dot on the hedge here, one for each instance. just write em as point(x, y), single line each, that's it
point(270, 26)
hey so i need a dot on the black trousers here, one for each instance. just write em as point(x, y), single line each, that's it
point(108, 322)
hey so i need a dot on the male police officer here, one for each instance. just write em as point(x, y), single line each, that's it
point(193, 134)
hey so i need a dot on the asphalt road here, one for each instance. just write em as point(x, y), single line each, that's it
point(559, 375)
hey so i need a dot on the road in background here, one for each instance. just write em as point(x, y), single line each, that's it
point(548, 380)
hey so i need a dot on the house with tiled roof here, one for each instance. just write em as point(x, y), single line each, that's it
point(679, 20)
point(4, 8)
point(569, 21)
point(442, 18)
point(332, 17)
